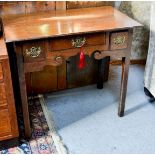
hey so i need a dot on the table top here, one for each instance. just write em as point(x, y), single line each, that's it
point(61, 23)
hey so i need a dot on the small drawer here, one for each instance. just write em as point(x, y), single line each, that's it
point(1, 72)
point(64, 43)
point(118, 40)
point(2, 95)
point(5, 125)
point(34, 51)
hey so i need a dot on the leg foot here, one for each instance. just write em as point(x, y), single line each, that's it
point(124, 81)
point(121, 113)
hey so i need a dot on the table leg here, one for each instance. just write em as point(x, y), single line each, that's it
point(23, 94)
point(103, 71)
point(124, 81)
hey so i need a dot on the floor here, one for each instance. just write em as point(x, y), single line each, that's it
point(87, 121)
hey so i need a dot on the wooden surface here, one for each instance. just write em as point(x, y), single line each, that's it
point(77, 77)
point(41, 81)
point(1, 72)
point(3, 50)
point(87, 4)
point(8, 120)
point(60, 5)
point(21, 7)
point(60, 23)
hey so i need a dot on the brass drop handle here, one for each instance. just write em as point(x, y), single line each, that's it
point(33, 52)
point(78, 42)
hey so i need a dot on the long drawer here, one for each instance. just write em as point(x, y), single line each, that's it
point(71, 42)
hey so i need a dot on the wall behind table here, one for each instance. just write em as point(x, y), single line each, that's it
point(149, 76)
point(139, 11)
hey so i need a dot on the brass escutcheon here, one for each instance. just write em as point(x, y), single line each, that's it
point(33, 52)
point(119, 40)
point(78, 42)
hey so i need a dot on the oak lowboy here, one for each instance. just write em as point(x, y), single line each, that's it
point(51, 38)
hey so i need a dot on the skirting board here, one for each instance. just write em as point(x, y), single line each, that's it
point(132, 62)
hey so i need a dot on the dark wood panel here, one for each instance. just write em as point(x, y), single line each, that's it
point(61, 71)
point(43, 81)
point(132, 62)
point(80, 77)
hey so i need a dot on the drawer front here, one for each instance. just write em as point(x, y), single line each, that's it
point(5, 125)
point(1, 72)
point(118, 40)
point(34, 51)
point(64, 43)
point(2, 95)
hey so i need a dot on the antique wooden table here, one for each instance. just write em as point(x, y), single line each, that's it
point(50, 38)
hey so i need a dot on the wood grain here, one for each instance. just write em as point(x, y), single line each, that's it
point(23, 92)
point(124, 79)
point(5, 124)
point(8, 119)
point(41, 82)
point(66, 42)
point(39, 6)
point(21, 7)
point(3, 99)
point(1, 72)
point(60, 5)
point(61, 72)
point(87, 4)
point(81, 77)
point(61, 23)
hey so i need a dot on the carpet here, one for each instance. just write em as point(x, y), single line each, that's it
point(86, 118)
point(43, 140)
